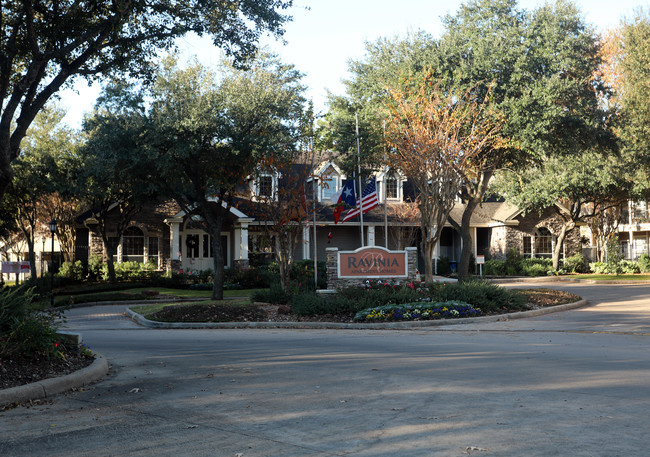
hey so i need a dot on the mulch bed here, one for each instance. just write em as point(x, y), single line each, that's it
point(16, 371)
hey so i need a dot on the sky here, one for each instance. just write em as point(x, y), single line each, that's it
point(326, 34)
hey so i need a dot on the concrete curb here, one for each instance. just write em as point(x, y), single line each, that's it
point(53, 386)
point(139, 319)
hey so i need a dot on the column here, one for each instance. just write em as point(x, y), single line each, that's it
point(174, 243)
point(306, 244)
point(241, 246)
point(370, 236)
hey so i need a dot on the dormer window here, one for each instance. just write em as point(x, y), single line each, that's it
point(392, 187)
point(329, 186)
point(265, 186)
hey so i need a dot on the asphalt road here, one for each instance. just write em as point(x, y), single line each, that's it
point(575, 383)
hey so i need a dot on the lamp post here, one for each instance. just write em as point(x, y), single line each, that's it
point(42, 255)
point(52, 230)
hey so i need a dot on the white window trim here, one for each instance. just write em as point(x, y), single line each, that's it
point(274, 188)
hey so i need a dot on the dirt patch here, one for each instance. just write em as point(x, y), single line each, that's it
point(16, 371)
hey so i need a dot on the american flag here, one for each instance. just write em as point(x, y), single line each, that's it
point(368, 199)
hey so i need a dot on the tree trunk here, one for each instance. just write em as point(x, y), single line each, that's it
point(6, 172)
point(466, 237)
point(557, 250)
point(428, 247)
point(217, 285)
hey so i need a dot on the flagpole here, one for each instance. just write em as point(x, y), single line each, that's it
point(385, 191)
point(314, 197)
point(356, 118)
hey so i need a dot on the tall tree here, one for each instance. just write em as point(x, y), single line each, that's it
point(583, 187)
point(208, 136)
point(115, 177)
point(45, 44)
point(540, 67)
point(630, 61)
point(37, 172)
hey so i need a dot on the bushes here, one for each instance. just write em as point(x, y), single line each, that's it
point(644, 263)
point(536, 267)
point(495, 268)
point(485, 295)
point(72, 271)
point(481, 294)
point(23, 331)
point(576, 264)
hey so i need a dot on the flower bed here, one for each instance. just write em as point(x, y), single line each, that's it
point(418, 312)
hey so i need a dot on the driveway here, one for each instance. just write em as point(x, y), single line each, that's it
point(575, 383)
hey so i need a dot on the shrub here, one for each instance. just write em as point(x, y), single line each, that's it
point(274, 295)
point(72, 271)
point(513, 260)
point(23, 331)
point(482, 294)
point(536, 266)
point(629, 267)
point(94, 267)
point(576, 264)
point(598, 267)
point(495, 268)
point(443, 266)
point(644, 263)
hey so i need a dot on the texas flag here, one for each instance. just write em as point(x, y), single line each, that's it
point(346, 199)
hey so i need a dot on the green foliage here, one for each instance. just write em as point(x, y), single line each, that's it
point(274, 295)
point(131, 271)
point(480, 294)
point(443, 267)
point(514, 259)
point(536, 266)
point(25, 332)
point(644, 263)
point(487, 296)
point(72, 271)
point(94, 267)
point(494, 267)
point(576, 264)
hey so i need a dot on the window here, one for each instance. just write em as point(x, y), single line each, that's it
point(192, 245)
point(153, 247)
point(329, 186)
point(391, 187)
point(265, 186)
point(133, 242)
point(540, 245)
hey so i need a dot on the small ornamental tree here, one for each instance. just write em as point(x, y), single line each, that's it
point(434, 136)
point(285, 212)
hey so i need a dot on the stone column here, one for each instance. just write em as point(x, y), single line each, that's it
point(332, 268)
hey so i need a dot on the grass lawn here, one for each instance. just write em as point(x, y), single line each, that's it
point(187, 293)
point(146, 310)
point(633, 277)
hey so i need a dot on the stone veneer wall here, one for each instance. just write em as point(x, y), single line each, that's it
point(151, 220)
point(334, 282)
point(504, 238)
